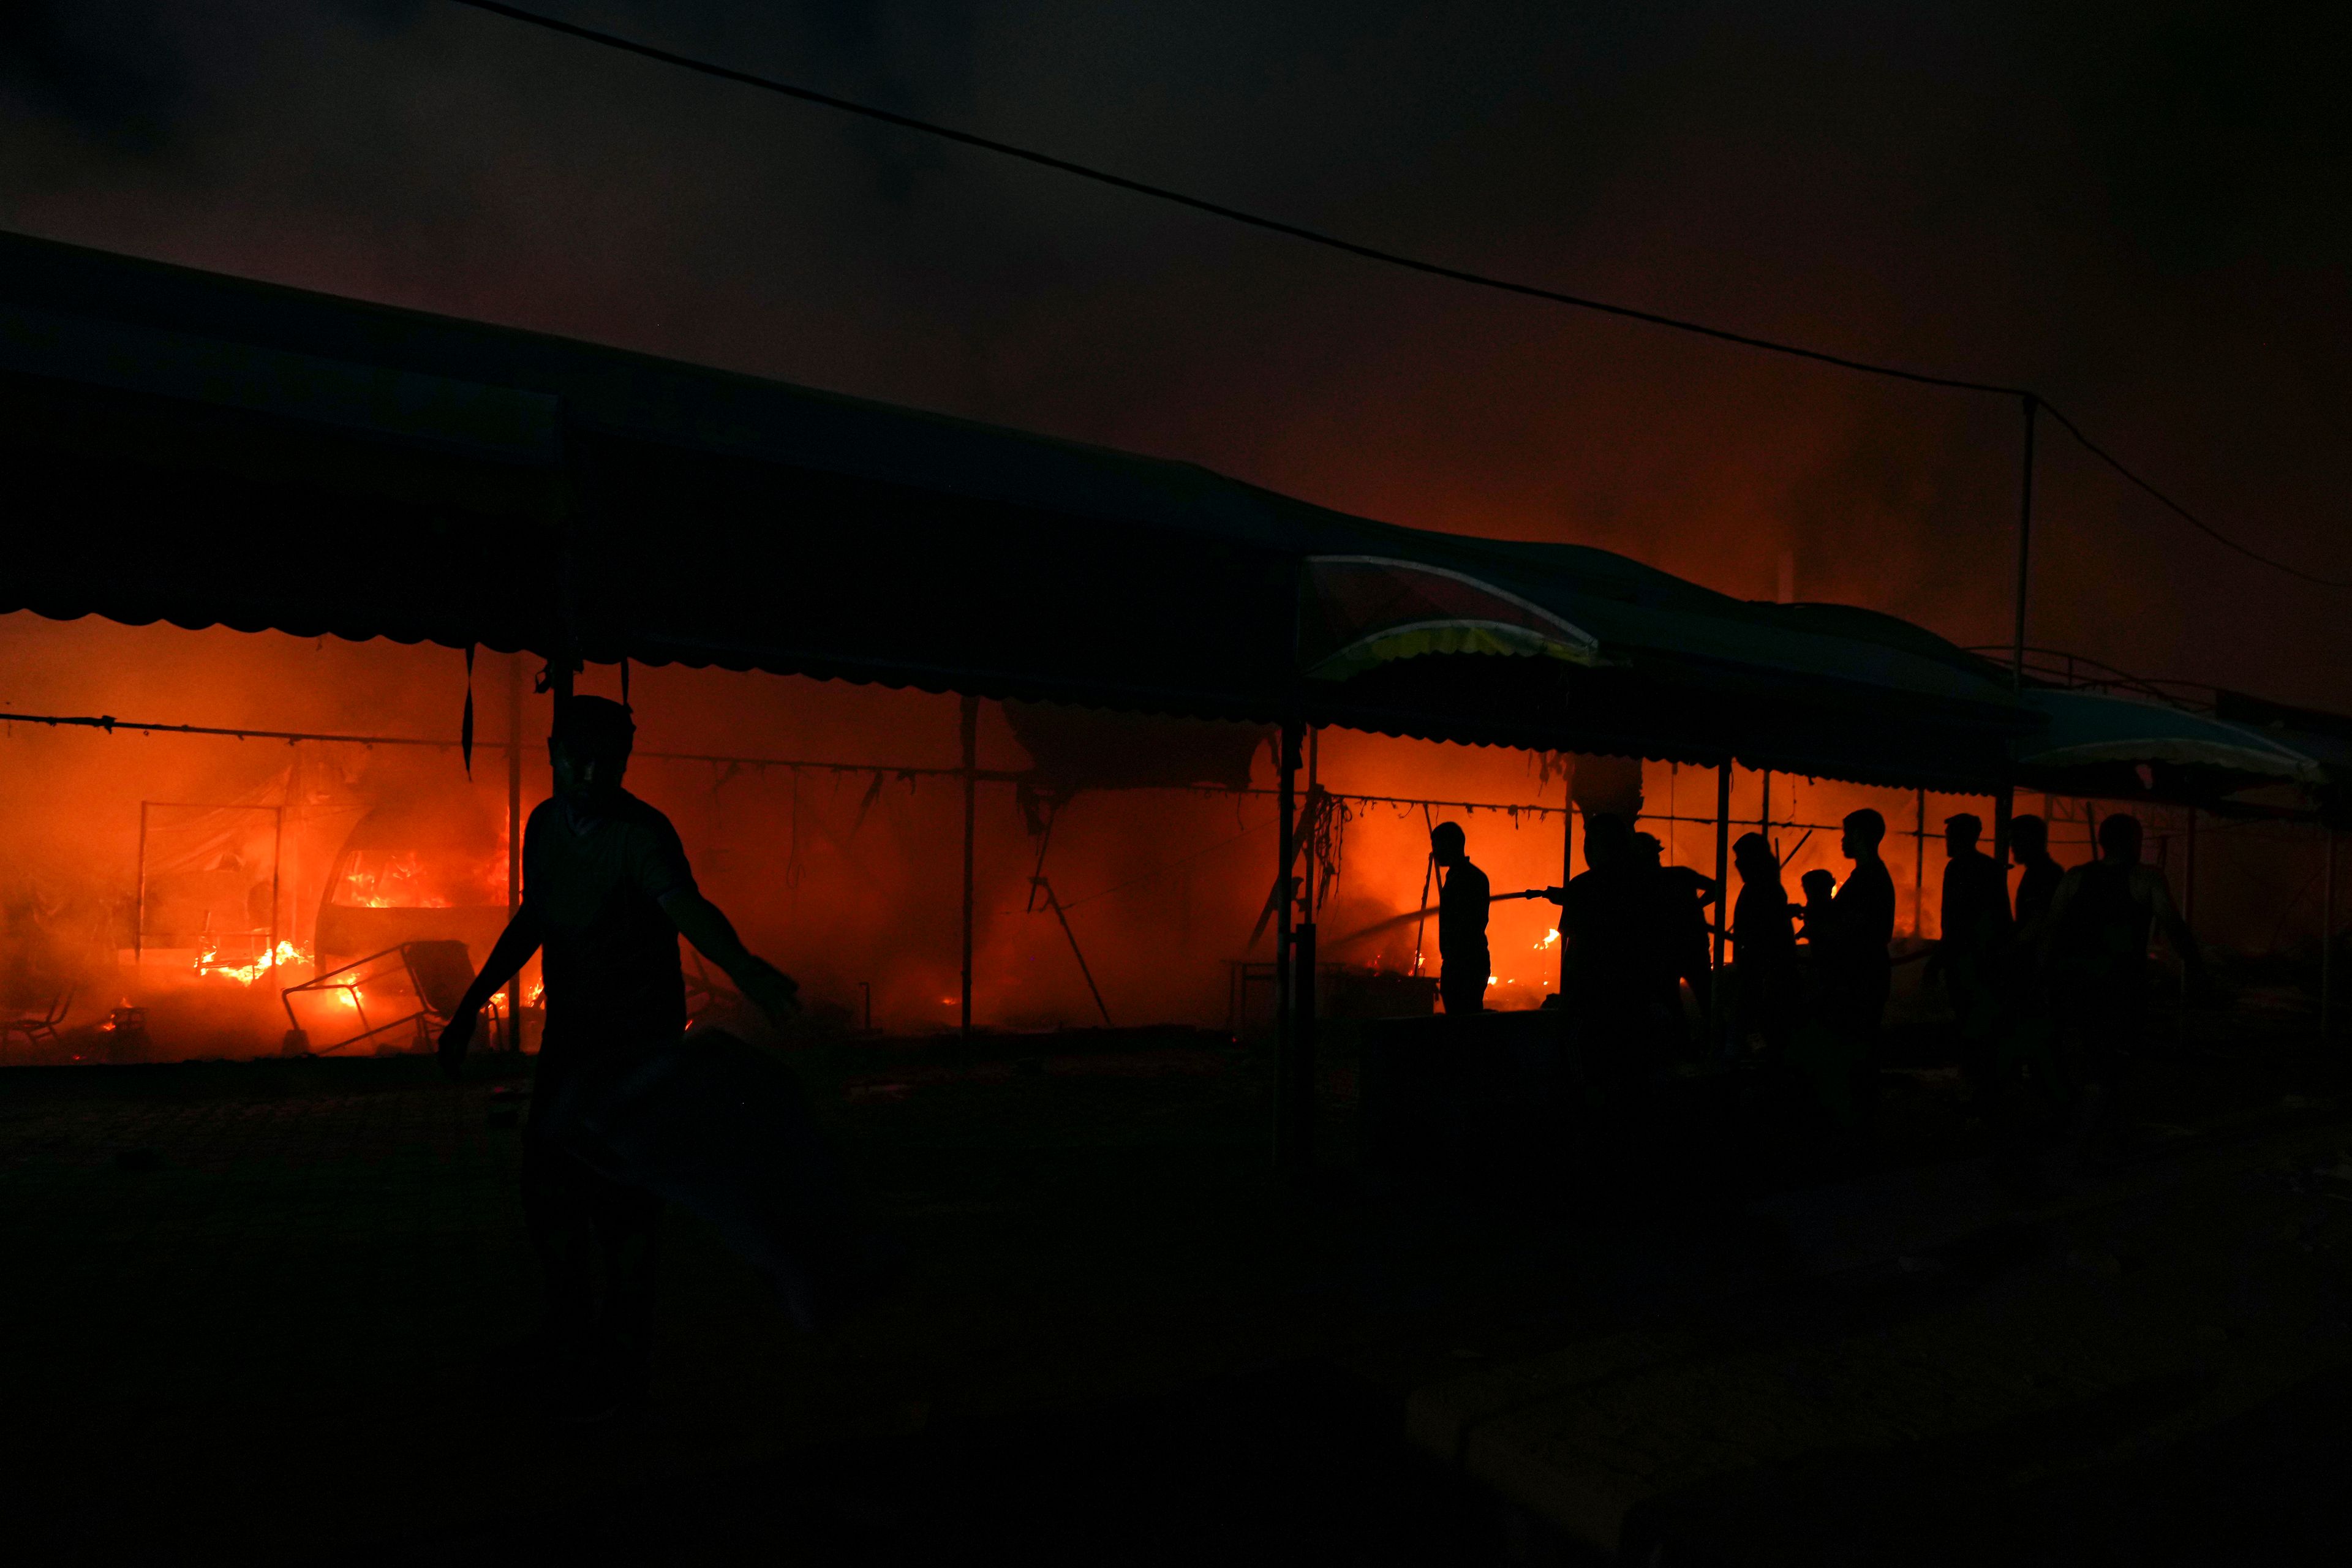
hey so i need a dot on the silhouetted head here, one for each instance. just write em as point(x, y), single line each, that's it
point(1961, 831)
point(1608, 839)
point(1449, 843)
point(2119, 839)
point(1647, 851)
point(1819, 886)
point(588, 747)
point(2029, 836)
point(1863, 829)
point(1752, 858)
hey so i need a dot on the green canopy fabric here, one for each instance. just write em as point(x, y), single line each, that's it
point(2090, 733)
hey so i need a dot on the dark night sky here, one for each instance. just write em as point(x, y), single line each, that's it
point(2139, 208)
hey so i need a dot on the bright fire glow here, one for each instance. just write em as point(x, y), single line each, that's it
point(407, 879)
point(285, 953)
point(384, 881)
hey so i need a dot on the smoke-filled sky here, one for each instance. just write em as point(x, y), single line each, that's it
point(2140, 209)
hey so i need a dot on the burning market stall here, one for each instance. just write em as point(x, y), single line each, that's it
point(470, 486)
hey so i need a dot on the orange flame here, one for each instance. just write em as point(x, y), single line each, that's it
point(285, 953)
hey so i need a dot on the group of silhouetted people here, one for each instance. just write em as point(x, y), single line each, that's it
point(2048, 994)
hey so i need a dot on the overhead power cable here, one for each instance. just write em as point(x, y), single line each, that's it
point(1375, 252)
point(2182, 512)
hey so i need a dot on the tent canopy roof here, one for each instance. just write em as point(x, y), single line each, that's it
point(2098, 744)
point(205, 449)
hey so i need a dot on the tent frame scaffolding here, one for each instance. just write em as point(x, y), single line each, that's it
point(276, 855)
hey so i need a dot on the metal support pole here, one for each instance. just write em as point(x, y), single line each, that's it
point(139, 910)
point(1568, 872)
point(514, 785)
point(2024, 548)
point(1919, 868)
point(1722, 880)
point(970, 818)
point(1299, 1069)
point(277, 861)
point(1314, 871)
point(1764, 810)
point(1286, 983)
point(2004, 810)
point(583, 497)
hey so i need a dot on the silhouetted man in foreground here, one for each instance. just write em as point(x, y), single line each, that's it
point(606, 892)
point(1461, 901)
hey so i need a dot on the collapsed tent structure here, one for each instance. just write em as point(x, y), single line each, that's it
point(470, 485)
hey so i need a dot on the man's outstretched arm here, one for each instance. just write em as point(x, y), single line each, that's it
point(507, 955)
point(703, 923)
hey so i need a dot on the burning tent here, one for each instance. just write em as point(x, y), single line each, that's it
point(468, 485)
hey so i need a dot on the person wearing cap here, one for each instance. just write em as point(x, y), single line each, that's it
point(1463, 897)
point(607, 893)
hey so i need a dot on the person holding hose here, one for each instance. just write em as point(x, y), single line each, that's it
point(607, 891)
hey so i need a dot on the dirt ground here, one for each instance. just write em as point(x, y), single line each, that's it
point(263, 1309)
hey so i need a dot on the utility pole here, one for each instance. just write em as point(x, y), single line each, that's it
point(2024, 548)
point(2004, 799)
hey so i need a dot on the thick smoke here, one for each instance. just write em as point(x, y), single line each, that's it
point(2139, 210)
